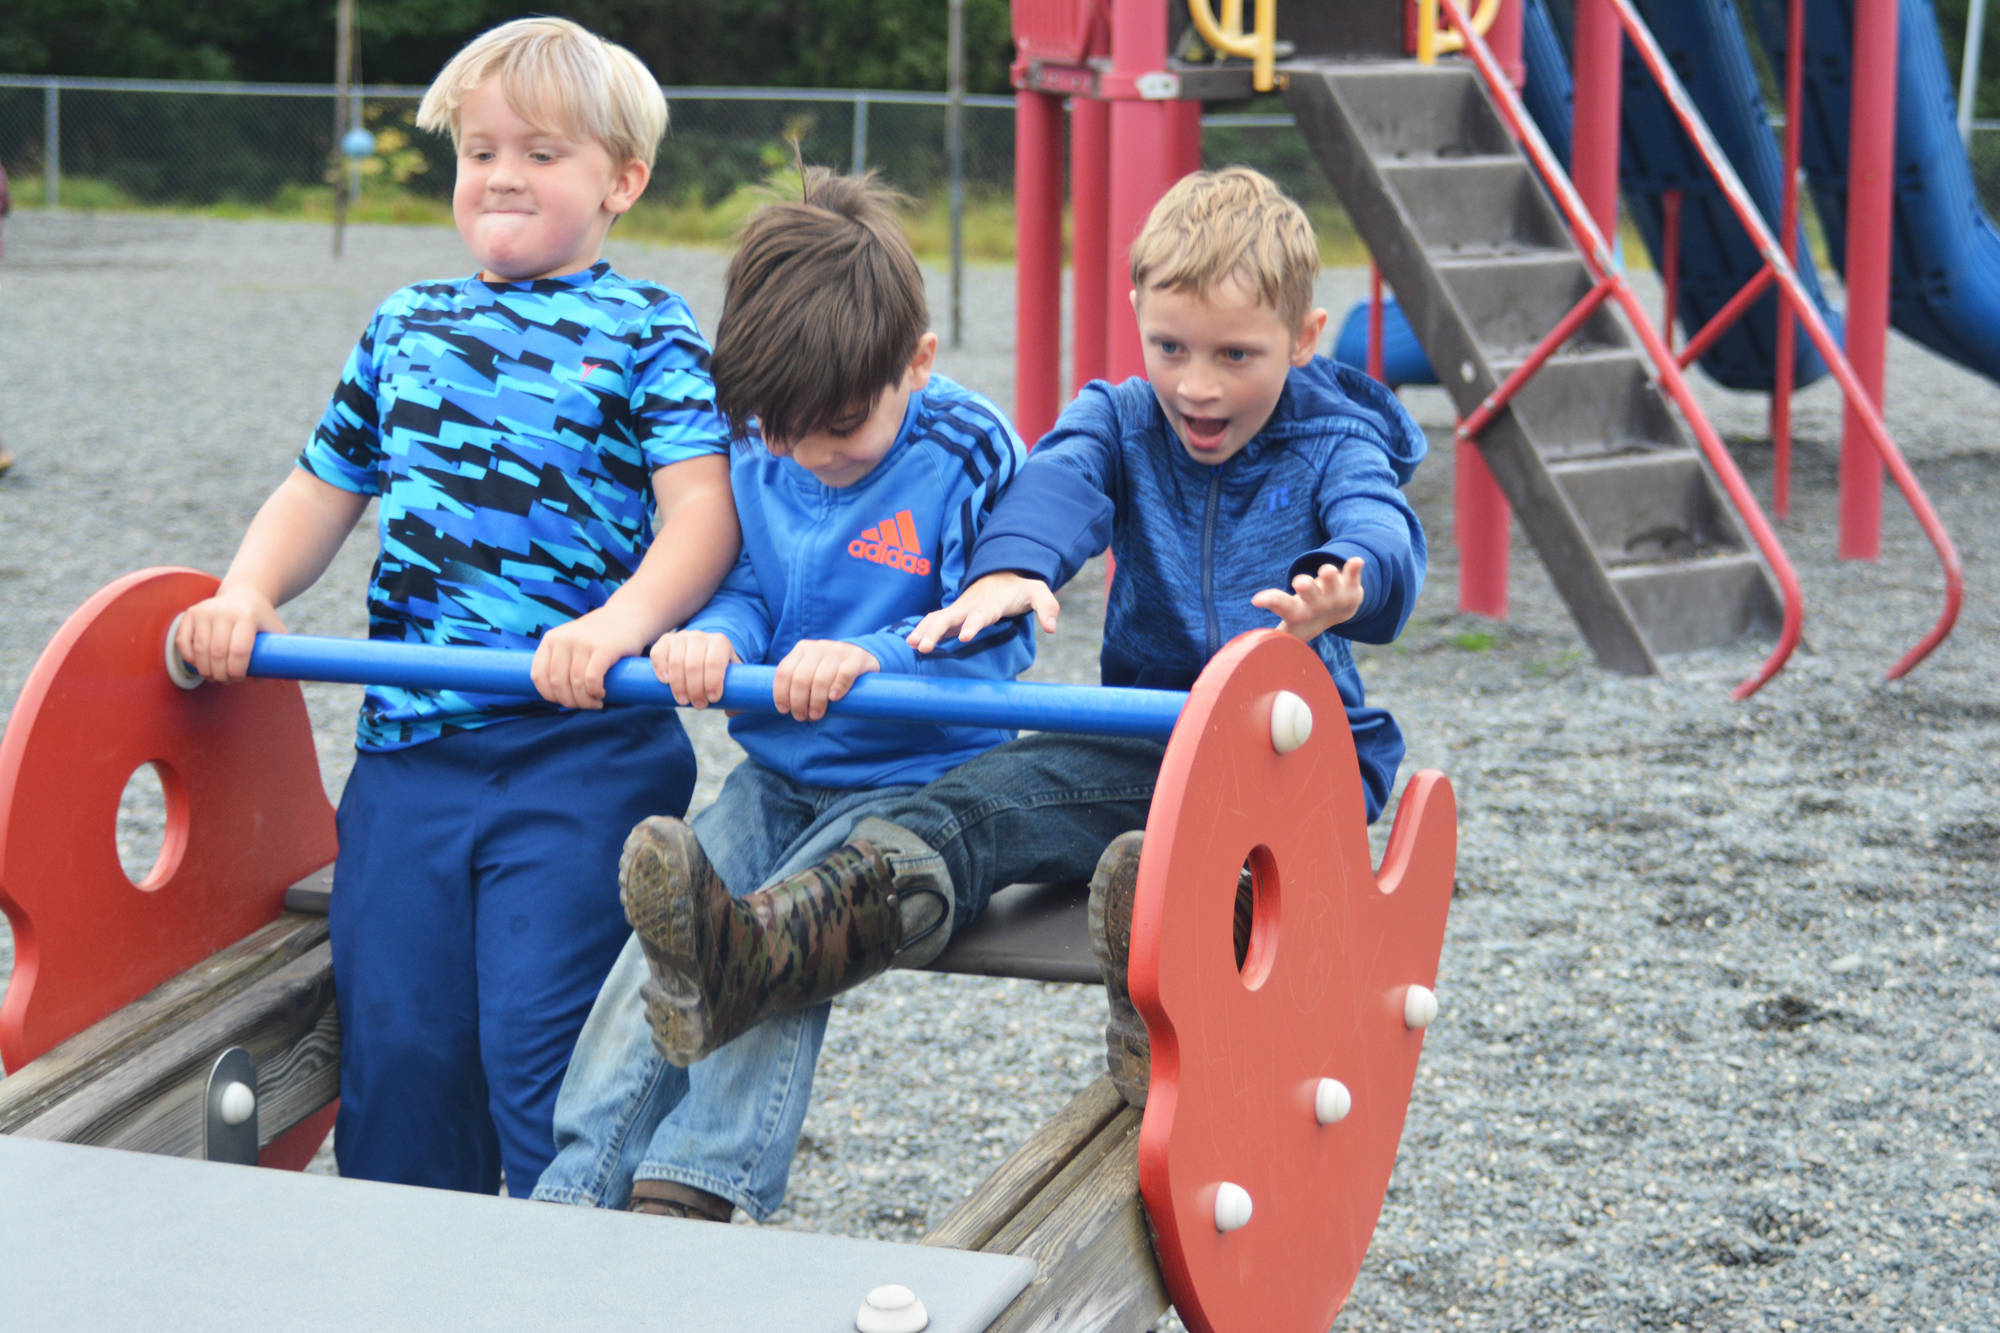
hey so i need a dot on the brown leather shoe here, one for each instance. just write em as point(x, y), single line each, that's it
point(670, 1198)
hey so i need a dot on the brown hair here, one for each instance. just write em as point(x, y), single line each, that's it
point(1233, 223)
point(823, 309)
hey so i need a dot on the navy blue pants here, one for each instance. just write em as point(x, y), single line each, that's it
point(475, 914)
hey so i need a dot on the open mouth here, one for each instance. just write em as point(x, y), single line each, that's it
point(1205, 432)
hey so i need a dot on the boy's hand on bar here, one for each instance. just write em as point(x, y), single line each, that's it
point(818, 672)
point(215, 636)
point(692, 663)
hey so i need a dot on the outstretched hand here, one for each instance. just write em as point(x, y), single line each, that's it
point(995, 597)
point(1315, 604)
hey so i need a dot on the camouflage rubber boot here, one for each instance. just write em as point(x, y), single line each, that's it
point(1128, 1057)
point(721, 965)
point(670, 1198)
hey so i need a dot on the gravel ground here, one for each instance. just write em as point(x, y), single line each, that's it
point(1718, 1038)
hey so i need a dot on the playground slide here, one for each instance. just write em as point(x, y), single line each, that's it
point(1945, 256)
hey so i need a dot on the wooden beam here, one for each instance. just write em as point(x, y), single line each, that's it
point(138, 1079)
point(1069, 1200)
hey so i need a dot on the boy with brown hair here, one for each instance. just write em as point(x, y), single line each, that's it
point(550, 472)
point(1244, 481)
point(862, 480)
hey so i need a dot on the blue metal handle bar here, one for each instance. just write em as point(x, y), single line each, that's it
point(951, 700)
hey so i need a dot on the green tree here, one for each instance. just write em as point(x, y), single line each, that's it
point(897, 44)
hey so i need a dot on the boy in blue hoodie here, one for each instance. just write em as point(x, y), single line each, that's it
point(1244, 478)
point(859, 509)
point(1244, 482)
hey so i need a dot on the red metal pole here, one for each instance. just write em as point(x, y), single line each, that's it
point(1142, 162)
point(1594, 119)
point(1377, 356)
point(1038, 154)
point(1732, 310)
point(1504, 38)
point(1186, 119)
point(1788, 238)
point(1090, 240)
point(1871, 167)
point(1670, 270)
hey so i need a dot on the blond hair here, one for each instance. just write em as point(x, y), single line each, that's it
point(1234, 223)
point(561, 77)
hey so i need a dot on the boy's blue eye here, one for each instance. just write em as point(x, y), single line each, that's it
point(1168, 347)
point(1236, 353)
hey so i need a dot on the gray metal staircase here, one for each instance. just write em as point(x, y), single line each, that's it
point(1637, 536)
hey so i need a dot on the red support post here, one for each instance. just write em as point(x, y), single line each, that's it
point(1090, 240)
point(1594, 140)
point(1670, 266)
point(1871, 167)
point(1038, 160)
point(1483, 524)
point(1145, 135)
point(1483, 517)
point(1504, 38)
point(1377, 356)
point(1788, 238)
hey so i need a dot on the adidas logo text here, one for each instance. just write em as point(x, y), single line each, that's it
point(892, 542)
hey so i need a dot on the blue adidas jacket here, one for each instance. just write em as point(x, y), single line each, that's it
point(864, 563)
point(1321, 482)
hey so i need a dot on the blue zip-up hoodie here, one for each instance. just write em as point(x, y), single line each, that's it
point(1194, 542)
point(864, 563)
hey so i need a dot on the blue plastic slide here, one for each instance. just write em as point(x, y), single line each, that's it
point(1945, 256)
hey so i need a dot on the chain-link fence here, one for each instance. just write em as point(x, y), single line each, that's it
point(112, 143)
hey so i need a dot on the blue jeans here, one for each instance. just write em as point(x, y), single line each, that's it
point(474, 915)
point(1036, 809)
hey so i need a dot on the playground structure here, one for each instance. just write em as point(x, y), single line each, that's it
point(167, 1014)
point(1653, 540)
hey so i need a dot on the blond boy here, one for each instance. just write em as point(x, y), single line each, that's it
point(551, 473)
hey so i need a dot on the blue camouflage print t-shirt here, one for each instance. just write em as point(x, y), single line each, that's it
point(510, 431)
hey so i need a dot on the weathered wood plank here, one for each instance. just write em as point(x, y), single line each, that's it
point(1074, 1175)
point(31, 1089)
point(150, 1095)
point(1016, 1182)
point(1094, 1262)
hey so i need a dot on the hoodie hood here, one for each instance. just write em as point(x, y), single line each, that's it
point(1324, 388)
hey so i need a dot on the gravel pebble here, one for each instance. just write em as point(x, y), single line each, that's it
point(1718, 1040)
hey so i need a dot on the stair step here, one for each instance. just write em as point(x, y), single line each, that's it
point(1648, 507)
point(1473, 204)
point(1511, 304)
point(1699, 603)
point(1583, 404)
point(1405, 110)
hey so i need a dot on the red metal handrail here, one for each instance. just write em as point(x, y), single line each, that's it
point(1598, 258)
point(1779, 266)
